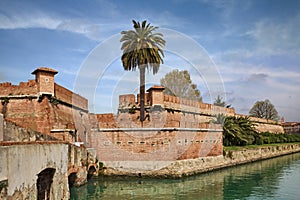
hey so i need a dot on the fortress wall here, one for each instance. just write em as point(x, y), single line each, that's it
point(155, 145)
point(12, 132)
point(44, 116)
point(69, 97)
point(24, 88)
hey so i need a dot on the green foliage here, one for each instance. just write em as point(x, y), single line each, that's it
point(5, 100)
point(142, 49)
point(132, 110)
point(264, 109)
point(54, 101)
point(240, 131)
point(219, 101)
point(100, 165)
point(178, 83)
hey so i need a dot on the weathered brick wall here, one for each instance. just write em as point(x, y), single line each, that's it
point(43, 116)
point(45, 82)
point(150, 145)
point(266, 125)
point(156, 119)
point(178, 136)
point(24, 88)
point(28, 113)
point(12, 132)
point(69, 97)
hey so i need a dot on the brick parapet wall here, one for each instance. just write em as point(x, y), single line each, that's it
point(181, 111)
point(176, 103)
point(163, 119)
point(69, 97)
point(24, 88)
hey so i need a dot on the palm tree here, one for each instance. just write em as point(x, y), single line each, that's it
point(142, 49)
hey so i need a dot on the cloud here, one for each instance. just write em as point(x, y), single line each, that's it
point(28, 21)
point(33, 16)
point(277, 38)
point(257, 77)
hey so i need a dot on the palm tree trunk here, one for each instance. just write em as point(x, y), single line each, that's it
point(142, 93)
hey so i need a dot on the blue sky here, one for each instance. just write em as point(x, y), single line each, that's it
point(248, 50)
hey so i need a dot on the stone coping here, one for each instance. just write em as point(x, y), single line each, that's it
point(156, 129)
point(11, 143)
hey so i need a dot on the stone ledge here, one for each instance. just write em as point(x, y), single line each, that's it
point(180, 168)
point(156, 129)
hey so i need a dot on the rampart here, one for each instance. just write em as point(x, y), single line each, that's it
point(70, 98)
point(187, 113)
point(23, 89)
point(46, 107)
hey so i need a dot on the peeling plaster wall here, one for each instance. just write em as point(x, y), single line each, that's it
point(21, 163)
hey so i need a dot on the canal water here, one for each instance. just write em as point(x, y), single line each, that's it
point(277, 178)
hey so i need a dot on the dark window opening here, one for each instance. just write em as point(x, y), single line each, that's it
point(44, 183)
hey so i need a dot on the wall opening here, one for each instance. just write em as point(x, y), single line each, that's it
point(44, 184)
point(72, 179)
point(91, 172)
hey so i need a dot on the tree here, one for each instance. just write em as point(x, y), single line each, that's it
point(219, 101)
point(142, 48)
point(238, 131)
point(264, 109)
point(179, 83)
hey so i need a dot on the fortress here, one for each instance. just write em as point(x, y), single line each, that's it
point(174, 129)
point(47, 135)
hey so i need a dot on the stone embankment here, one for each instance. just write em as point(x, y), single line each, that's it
point(189, 167)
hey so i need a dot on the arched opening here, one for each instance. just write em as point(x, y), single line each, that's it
point(71, 179)
point(44, 183)
point(91, 172)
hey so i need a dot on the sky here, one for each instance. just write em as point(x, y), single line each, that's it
point(245, 51)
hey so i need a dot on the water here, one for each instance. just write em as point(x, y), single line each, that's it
point(277, 178)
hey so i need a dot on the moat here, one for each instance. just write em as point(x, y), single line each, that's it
point(275, 178)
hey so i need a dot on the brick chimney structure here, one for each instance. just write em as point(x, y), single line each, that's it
point(45, 80)
point(156, 95)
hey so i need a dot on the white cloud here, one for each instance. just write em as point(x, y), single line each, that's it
point(28, 21)
point(277, 38)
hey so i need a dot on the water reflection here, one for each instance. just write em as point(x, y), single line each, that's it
point(269, 179)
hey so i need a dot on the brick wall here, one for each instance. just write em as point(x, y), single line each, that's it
point(12, 132)
point(162, 145)
point(45, 82)
point(24, 88)
point(69, 97)
point(43, 116)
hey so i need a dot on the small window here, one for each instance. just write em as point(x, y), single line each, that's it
point(46, 80)
point(142, 142)
point(119, 142)
point(130, 142)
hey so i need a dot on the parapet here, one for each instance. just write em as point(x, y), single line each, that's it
point(24, 88)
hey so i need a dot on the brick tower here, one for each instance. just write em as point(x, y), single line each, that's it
point(45, 80)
